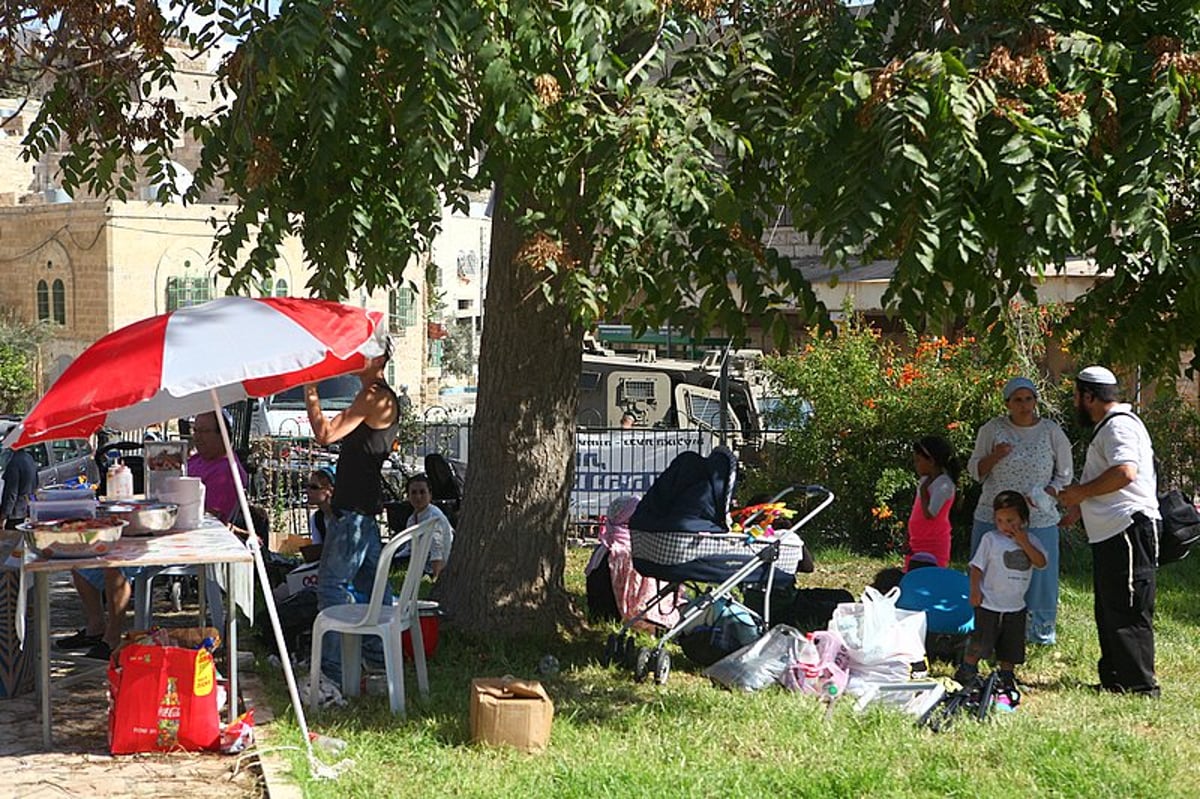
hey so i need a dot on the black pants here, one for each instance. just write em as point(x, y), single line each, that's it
point(1123, 581)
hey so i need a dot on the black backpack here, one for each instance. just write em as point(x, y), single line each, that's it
point(1180, 528)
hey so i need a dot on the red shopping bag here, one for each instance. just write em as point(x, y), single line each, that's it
point(162, 698)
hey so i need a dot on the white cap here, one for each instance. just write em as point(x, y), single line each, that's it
point(1097, 375)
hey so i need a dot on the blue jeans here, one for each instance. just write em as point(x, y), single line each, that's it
point(349, 557)
point(95, 577)
point(1042, 596)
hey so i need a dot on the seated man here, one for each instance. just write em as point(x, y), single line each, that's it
point(102, 630)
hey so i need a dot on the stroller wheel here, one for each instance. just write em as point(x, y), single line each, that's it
point(611, 647)
point(662, 666)
point(628, 650)
point(641, 667)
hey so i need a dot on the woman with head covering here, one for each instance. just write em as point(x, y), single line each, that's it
point(1020, 451)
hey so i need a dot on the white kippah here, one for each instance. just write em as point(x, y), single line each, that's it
point(1097, 375)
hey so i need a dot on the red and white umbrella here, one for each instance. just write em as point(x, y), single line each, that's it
point(167, 366)
point(198, 359)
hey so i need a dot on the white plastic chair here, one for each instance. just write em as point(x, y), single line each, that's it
point(386, 621)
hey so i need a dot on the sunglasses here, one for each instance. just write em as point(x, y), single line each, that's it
point(315, 487)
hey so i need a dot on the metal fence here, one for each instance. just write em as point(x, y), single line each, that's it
point(608, 462)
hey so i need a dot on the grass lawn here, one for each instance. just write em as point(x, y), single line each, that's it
point(613, 737)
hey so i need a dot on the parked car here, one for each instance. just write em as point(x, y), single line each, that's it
point(58, 462)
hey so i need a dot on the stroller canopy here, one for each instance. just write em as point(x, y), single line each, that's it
point(692, 495)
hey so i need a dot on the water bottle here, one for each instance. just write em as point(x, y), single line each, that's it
point(832, 695)
point(120, 481)
point(327, 743)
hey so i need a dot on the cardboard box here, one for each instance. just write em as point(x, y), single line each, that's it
point(510, 712)
point(302, 577)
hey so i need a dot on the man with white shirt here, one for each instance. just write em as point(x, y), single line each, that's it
point(1117, 497)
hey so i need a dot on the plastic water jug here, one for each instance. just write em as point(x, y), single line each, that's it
point(120, 482)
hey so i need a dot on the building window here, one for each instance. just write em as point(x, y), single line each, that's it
point(184, 292)
point(436, 348)
point(468, 265)
point(465, 305)
point(58, 294)
point(43, 301)
point(402, 309)
point(281, 288)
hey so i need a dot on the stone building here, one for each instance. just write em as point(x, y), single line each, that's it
point(91, 267)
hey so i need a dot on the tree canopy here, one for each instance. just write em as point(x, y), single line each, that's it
point(647, 144)
point(983, 143)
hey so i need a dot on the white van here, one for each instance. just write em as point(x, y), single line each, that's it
point(283, 415)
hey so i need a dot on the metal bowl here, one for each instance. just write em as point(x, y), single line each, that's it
point(144, 518)
point(73, 538)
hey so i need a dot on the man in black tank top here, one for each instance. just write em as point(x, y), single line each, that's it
point(350, 553)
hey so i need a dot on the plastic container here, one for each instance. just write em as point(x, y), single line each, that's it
point(60, 493)
point(53, 510)
point(327, 743)
point(430, 622)
point(119, 482)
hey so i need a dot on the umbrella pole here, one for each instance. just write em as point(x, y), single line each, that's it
point(261, 566)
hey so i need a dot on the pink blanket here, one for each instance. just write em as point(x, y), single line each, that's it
point(632, 590)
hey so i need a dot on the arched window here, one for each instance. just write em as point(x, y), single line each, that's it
point(58, 294)
point(186, 291)
point(281, 288)
point(43, 301)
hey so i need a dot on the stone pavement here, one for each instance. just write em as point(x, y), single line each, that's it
point(78, 764)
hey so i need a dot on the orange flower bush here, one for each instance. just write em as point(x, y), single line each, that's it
point(870, 397)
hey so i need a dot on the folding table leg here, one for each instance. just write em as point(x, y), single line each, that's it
point(42, 589)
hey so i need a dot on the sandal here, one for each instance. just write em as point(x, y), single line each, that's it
point(99, 651)
point(79, 640)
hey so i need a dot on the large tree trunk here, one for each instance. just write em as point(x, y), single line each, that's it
point(505, 576)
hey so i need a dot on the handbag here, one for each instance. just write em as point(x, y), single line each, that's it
point(162, 698)
point(1180, 526)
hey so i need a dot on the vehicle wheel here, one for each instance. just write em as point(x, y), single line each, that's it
point(662, 666)
point(612, 647)
point(641, 667)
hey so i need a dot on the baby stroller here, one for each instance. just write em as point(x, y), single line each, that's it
point(681, 534)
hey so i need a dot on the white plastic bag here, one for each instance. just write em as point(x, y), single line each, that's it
point(876, 632)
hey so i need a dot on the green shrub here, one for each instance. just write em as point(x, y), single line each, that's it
point(870, 399)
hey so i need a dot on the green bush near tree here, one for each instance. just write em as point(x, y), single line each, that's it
point(868, 399)
point(859, 400)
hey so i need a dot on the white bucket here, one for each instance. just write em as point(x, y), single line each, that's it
point(188, 494)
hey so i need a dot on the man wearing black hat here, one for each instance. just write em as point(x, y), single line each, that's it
point(1117, 497)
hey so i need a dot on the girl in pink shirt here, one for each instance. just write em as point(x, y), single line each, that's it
point(929, 522)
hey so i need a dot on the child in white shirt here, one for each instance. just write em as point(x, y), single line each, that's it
point(1000, 573)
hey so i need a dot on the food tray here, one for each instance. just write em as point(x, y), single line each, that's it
point(73, 538)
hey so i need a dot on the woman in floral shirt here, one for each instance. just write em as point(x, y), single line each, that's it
point(1020, 451)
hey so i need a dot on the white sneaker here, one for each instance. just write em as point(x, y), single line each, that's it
point(328, 694)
